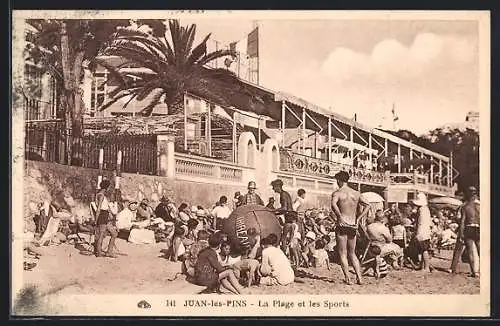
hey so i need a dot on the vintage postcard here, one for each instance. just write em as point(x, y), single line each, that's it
point(250, 163)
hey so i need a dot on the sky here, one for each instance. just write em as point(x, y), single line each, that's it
point(427, 69)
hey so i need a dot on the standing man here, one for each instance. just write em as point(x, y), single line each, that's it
point(286, 208)
point(345, 204)
point(469, 228)
point(423, 232)
point(251, 198)
point(299, 205)
point(104, 221)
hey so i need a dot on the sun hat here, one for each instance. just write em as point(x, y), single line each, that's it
point(421, 200)
point(311, 235)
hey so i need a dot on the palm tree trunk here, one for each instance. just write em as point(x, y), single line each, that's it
point(65, 58)
point(176, 104)
point(77, 112)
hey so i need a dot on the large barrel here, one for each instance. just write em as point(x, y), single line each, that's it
point(250, 216)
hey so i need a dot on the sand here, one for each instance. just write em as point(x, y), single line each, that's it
point(144, 271)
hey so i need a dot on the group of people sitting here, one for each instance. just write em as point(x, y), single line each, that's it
point(309, 237)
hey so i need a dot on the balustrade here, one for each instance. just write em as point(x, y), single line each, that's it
point(299, 163)
point(188, 165)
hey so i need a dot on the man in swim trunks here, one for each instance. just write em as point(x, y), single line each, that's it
point(469, 228)
point(345, 204)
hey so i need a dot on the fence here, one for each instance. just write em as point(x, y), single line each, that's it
point(46, 142)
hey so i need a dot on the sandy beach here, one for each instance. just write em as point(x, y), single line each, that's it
point(144, 271)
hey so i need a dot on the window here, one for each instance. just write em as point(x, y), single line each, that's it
point(99, 91)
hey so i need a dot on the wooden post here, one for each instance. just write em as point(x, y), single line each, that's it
point(351, 139)
point(329, 138)
point(399, 158)
point(370, 154)
point(283, 109)
point(209, 129)
point(234, 137)
point(440, 172)
point(185, 123)
point(259, 138)
point(386, 147)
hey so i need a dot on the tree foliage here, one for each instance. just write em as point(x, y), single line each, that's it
point(462, 143)
point(172, 66)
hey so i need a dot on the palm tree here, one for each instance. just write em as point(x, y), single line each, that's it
point(171, 68)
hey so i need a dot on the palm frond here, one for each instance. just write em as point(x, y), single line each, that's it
point(199, 51)
point(148, 109)
point(215, 55)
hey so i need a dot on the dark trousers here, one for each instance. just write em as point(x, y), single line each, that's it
point(100, 234)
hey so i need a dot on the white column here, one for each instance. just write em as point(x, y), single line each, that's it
point(46, 100)
point(386, 147)
point(87, 90)
point(399, 158)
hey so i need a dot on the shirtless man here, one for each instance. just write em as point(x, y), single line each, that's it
point(469, 228)
point(345, 203)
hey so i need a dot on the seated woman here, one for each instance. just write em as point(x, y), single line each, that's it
point(380, 235)
point(275, 268)
point(210, 273)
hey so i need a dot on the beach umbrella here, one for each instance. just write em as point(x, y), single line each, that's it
point(372, 197)
point(445, 201)
point(243, 218)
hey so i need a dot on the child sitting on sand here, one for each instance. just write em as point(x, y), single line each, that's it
point(246, 269)
point(320, 255)
point(376, 263)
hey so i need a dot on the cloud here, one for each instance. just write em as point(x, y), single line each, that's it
point(392, 62)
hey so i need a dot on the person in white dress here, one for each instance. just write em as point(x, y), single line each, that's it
point(275, 268)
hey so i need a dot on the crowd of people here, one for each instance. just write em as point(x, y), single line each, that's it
point(351, 233)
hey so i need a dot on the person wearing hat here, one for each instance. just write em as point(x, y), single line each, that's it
point(163, 211)
point(251, 197)
point(220, 213)
point(237, 200)
point(346, 202)
point(144, 211)
point(285, 212)
point(125, 218)
point(423, 230)
point(469, 216)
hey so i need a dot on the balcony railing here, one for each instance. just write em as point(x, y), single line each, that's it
point(304, 164)
point(420, 182)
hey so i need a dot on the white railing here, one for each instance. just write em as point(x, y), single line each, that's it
point(206, 168)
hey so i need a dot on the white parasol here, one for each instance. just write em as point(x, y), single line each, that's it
point(447, 201)
point(372, 197)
